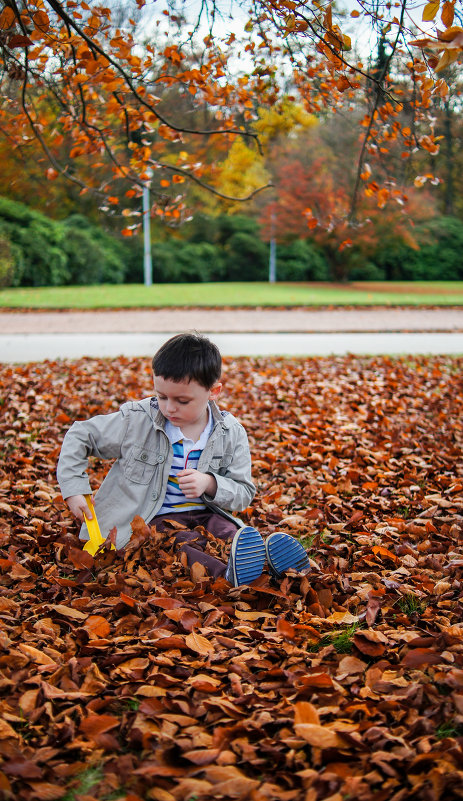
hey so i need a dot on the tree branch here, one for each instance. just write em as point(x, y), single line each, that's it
point(59, 10)
point(192, 177)
point(354, 201)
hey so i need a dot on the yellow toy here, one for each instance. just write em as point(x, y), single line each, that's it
point(93, 529)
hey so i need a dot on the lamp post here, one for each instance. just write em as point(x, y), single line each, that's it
point(147, 263)
point(272, 266)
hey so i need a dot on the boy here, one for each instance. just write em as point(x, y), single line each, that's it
point(177, 457)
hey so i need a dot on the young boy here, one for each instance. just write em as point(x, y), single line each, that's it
point(177, 457)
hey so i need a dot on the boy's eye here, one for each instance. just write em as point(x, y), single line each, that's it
point(164, 398)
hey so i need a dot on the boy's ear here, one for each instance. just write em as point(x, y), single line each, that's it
point(215, 390)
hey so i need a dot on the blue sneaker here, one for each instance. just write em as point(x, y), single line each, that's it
point(285, 552)
point(247, 557)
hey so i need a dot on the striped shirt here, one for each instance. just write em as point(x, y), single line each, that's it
point(186, 454)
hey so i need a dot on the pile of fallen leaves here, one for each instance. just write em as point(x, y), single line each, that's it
point(128, 677)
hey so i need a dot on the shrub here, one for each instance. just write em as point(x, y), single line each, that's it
point(37, 241)
point(181, 262)
point(6, 262)
point(301, 261)
point(438, 257)
point(440, 254)
point(94, 256)
point(246, 257)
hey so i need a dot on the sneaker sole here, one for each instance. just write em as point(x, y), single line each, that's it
point(284, 553)
point(248, 555)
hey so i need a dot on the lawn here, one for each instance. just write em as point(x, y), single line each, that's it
point(443, 293)
point(126, 677)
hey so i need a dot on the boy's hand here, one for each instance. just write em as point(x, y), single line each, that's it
point(193, 483)
point(78, 506)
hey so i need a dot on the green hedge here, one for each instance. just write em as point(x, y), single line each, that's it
point(38, 251)
point(46, 252)
point(439, 256)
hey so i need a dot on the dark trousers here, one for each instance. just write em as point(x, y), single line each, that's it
point(193, 542)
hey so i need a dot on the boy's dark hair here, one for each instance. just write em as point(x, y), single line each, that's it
point(186, 357)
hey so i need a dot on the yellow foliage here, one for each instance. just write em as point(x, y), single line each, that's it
point(241, 173)
point(282, 119)
point(244, 169)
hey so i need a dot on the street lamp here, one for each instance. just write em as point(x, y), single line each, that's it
point(272, 266)
point(147, 263)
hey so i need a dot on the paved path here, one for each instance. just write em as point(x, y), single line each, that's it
point(232, 320)
point(34, 336)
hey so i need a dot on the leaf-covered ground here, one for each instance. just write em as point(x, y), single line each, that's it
point(125, 677)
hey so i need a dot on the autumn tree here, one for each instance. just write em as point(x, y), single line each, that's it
point(88, 90)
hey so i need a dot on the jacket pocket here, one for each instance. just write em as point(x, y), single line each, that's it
point(219, 464)
point(142, 464)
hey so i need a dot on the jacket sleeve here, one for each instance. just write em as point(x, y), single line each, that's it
point(235, 489)
point(99, 436)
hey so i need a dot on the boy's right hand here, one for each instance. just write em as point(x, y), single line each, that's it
point(78, 506)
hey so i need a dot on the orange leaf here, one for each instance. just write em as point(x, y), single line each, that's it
point(41, 20)
point(286, 629)
point(346, 244)
point(97, 627)
point(378, 550)
point(97, 724)
point(7, 18)
point(305, 712)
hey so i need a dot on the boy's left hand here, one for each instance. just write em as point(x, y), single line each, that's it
point(193, 483)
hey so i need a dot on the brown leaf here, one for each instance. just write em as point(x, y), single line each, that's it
point(199, 643)
point(252, 614)
point(68, 611)
point(45, 791)
point(421, 656)
point(319, 736)
point(370, 642)
point(97, 724)
point(350, 666)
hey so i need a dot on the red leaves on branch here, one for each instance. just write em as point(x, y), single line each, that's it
point(125, 677)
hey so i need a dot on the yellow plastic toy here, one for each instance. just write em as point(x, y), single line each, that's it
point(93, 530)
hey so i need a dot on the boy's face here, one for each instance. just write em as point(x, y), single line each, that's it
point(185, 402)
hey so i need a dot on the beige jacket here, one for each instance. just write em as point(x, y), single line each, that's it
point(136, 483)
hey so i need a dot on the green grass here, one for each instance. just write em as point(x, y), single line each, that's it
point(449, 729)
point(87, 780)
point(411, 604)
point(444, 293)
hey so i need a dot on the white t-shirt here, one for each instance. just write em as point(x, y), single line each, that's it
point(186, 454)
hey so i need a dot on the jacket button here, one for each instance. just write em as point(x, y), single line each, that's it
point(144, 457)
point(160, 459)
point(154, 496)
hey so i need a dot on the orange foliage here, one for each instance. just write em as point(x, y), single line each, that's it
point(115, 107)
